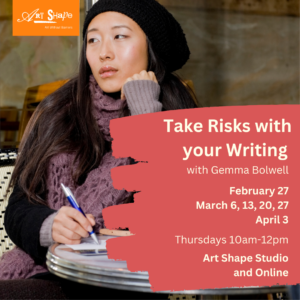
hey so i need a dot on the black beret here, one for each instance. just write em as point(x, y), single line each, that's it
point(164, 32)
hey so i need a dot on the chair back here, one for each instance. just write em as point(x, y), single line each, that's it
point(9, 125)
point(7, 160)
point(190, 84)
point(34, 95)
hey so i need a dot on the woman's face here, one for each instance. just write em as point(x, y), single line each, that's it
point(116, 49)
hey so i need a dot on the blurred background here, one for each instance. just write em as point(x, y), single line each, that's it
point(243, 52)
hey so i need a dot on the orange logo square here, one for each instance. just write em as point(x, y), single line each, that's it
point(46, 17)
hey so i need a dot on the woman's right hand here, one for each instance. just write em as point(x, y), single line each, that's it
point(70, 225)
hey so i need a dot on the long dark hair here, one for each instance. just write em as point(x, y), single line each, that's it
point(63, 122)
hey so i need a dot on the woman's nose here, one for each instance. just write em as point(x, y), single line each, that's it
point(106, 52)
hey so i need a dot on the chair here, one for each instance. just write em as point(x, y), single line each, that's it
point(190, 84)
point(7, 160)
point(34, 95)
point(9, 124)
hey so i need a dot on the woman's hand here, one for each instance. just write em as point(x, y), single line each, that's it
point(143, 75)
point(70, 225)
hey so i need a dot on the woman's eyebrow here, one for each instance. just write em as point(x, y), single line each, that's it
point(93, 29)
point(119, 26)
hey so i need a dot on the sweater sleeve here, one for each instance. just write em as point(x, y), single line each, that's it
point(23, 221)
point(46, 231)
point(142, 96)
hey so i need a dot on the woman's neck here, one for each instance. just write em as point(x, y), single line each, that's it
point(116, 95)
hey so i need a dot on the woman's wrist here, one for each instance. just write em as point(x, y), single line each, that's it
point(142, 96)
point(46, 231)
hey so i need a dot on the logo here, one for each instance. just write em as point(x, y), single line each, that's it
point(51, 16)
point(46, 18)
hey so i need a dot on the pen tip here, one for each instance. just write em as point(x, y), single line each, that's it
point(95, 238)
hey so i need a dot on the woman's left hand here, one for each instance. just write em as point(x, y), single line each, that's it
point(143, 75)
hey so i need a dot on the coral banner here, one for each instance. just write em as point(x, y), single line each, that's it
point(218, 196)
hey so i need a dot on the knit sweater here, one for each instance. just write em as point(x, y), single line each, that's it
point(29, 225)
point(142, 97)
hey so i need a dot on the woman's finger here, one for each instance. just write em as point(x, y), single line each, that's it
point(75, 227)
point(144, 75)
point(91, 218)
point(152, 76)
point(137, 77)
point(71, 235)
point(63, 240)
point(80, 219)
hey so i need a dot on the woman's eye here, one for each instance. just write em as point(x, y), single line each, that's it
point(120, 35)
point(92, 40)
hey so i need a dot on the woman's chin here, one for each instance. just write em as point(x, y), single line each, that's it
point(110, 89)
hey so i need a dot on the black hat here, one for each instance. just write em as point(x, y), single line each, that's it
point(164, 32)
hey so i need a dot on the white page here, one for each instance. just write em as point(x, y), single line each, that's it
point(89, 244)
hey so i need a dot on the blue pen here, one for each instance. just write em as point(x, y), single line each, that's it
point(74, 203)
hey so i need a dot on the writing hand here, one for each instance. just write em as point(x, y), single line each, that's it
point(70, 225)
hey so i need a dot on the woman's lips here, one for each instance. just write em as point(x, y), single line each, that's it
point(107, 71)
point(108, 74)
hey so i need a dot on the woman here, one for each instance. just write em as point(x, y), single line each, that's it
point(130, 49)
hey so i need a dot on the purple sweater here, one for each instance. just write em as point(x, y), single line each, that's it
point(142, 97)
